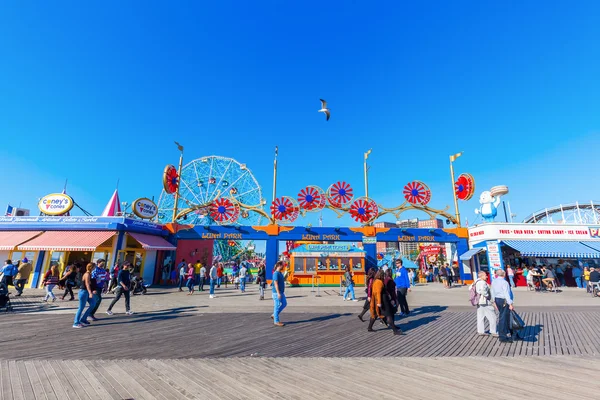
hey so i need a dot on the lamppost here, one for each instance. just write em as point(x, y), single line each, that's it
point(366, 170)
point(180, 148)
point(452, 159)
point(275, 174)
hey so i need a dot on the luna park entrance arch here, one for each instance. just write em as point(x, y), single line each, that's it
point(368, 235)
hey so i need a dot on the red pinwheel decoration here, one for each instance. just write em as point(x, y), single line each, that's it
point(224, 211)
point(285, 209)
point(364, 210)
point(311, 198)
point(340, 194)
point(417, 193)
point(170, 179)
point(464, 187)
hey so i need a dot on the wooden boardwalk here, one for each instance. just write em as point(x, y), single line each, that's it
point(302, 378)
point(176, 334)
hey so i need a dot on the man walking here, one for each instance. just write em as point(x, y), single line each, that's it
point(485, 307)
point(182, 272)
point(100, 275)
point(22, 276)
point(214, 279)
point(279, 300)
point(8, 273)
point(124, 283)
point(242, 275)
point(502, 296)
point(201, 278)
point(402, 287)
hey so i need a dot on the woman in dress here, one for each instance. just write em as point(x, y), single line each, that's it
point(381, 304)
point(368, 285)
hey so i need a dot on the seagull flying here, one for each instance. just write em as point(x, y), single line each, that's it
point(324, 109)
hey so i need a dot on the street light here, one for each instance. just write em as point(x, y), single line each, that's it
point(452, 159)
point(366, 170)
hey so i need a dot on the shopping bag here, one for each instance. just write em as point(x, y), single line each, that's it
point(516, 322)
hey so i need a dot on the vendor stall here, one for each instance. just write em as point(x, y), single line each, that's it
point(522, 245)
point(325, 263)
point(45, 241)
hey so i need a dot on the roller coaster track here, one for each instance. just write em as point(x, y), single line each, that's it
point(574, 213)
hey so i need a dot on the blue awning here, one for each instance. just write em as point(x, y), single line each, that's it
point(409, 264)
point(593, 245)
point(552, 248)
point(469, 254)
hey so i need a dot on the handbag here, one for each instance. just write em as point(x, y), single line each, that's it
point(516, 322)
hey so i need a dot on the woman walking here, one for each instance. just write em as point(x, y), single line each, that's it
point(390, 287)
point(190, 279)
point(68, 280)
point(368, 285)
point(349, 284)
point(261, 278)
point(50, 281)
point(87, 290)
point(381, 304)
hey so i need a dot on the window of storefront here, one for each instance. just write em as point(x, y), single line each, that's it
point(18, 256)
point(356, 264)
point(101, 254)
point(298, 265)
point(334, 264)
point(322, 264)
point(311, 265)
point(345, 262)
point(135, 257)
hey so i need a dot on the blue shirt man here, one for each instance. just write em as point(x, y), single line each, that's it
point(402, 287)
point(279, 300)
point(9, 269)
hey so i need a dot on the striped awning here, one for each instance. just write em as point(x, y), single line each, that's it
point(552, 248)
point(467, 255)
point(11, 239)
point(150, 242)
point(68, 240)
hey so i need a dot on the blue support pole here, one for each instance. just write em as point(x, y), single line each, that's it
point(38, 269)
point(462, 246)
point(271, 255)
point(371, 256)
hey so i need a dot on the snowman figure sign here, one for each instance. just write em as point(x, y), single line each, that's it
point(490, 200)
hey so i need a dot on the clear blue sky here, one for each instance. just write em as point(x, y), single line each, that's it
point(96, 93)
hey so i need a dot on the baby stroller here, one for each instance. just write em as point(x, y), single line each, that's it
point(5, 298)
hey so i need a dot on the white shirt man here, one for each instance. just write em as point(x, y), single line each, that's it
point(485, 307)
point(242, 276)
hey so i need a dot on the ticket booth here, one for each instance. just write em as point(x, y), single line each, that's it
point(326, 264)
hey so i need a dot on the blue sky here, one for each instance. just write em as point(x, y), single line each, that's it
point(98, 92)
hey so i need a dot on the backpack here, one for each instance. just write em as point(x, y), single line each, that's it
point(473, 295)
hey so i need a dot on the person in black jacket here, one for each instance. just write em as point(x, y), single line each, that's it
point(261, 279)
point(124, 284)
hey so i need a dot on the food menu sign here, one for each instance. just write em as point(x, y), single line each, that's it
point(532, 232)
point(494, 255)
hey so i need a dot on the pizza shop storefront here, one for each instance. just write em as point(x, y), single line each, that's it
point(61, 241)
point(496, 245)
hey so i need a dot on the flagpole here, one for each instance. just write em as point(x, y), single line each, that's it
point(275, 174)
point(452, 159)
point(366, 176)
point(180, 148)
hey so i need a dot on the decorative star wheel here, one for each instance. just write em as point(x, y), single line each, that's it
point(170, 179)
point(364, 210)
point(464, 187)
point(285, 209)
point(417, 193)
point(312, 198)
point(340, 194)
point(224, 211)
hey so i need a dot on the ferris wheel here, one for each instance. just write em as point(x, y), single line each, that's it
point(213, 183)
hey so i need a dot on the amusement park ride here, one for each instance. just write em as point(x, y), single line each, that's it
point(219, 190)
point(218, 198)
